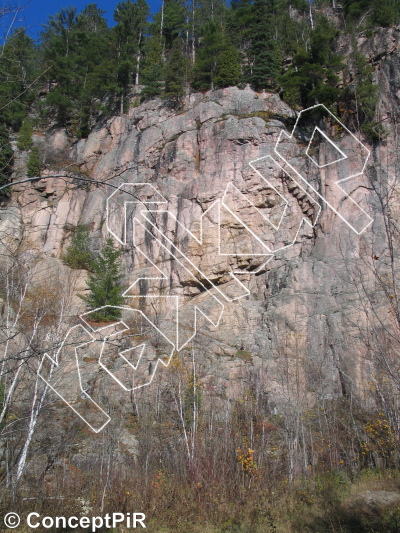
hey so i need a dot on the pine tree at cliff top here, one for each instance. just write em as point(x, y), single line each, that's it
point(263, 53)
point(312, 78)
point(90, 69)
point(19, 64)
point(175, 72)
point(372, 12)
point(206, 65)
point(153, 68)
point(131, 18)
point(228, 66)
point(174, 24)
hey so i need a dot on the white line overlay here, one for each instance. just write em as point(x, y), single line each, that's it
point(130, 350)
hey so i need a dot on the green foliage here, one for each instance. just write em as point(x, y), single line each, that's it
point(92, 19)
point(61, 104)
point(78, 254)
point(292, 94)
point(174, 24)
point(361, 97)
point(217, 62)
point(244, 355)
point(264, 54)
point(6, 159)
point(82, 54)
point(373, 131)
point(19, 66)
point(89, 69)
point(240, 22)
point(228, 67)
point(372, 12)
point(175, 73)
point(24, 141)
point(131, 18)
point(210, 11)
point(34, 165)
point(205, 68)
point(312, 78)
point(104, 283)
point(153, 69)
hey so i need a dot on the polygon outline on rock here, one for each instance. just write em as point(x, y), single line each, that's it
point(368, 153)
point(344, 156)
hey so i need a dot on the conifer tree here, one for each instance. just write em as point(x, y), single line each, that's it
point(6, 159)
point(175, 73)
point(104, 283)
point(92, 19)
point(372, 12)
point(78, 254)
point(211, 11)
point(19, 64)
point(174, 21)
point(24, 141)
point(131, 18)
point(361, 97)
point(312, 76)
point(34, 165)
point(96, 83)
point(90, 68)
point(240, 23)
point(217, 61)
point(263, 54)
point(228, 66)
point(205, 68)
point(153, 70)
point(83, 65)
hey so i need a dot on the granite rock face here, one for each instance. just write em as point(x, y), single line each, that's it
point(292, 319)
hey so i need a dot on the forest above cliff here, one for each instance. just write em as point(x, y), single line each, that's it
point(81, 70)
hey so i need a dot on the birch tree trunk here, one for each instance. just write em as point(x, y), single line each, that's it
point(37, 402)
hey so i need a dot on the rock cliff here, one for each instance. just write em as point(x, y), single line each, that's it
point(293, 259)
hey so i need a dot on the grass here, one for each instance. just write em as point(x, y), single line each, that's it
point(326, 503)
point(265, 115)
point(244, 355)
point(330, 503)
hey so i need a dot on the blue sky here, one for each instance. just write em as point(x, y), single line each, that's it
point(36, 12)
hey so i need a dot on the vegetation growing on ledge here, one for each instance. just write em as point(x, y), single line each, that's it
point(104, 284)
